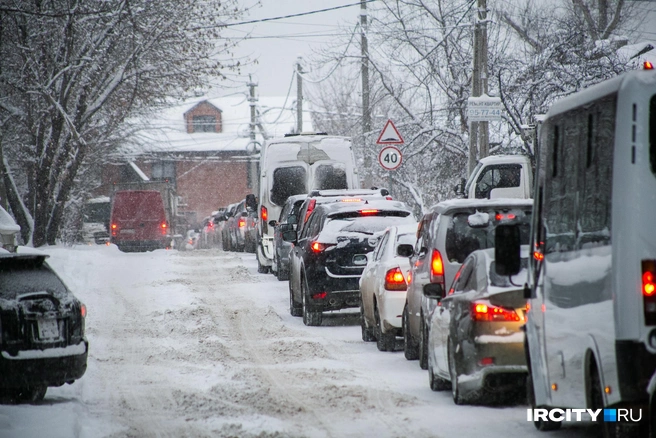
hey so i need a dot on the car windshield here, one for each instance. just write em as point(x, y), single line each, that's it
point(288, 181)
point(330, 177)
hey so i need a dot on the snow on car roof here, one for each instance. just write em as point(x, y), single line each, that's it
point(453, 204)
point(374, 204)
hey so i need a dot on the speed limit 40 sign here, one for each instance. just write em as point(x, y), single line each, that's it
point(390, 157)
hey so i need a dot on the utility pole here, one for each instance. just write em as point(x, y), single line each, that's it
point(366, 114)
point(299, 95)
point(478, 131)
point(252, 173)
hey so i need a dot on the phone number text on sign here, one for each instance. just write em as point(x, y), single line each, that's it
point(390, 158)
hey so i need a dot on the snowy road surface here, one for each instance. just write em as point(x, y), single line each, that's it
point(198, 344)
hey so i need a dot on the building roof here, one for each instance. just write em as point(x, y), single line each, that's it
point(165, 131)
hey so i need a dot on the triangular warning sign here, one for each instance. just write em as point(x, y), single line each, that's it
point(389, 135)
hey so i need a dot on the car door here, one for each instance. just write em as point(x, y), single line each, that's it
point(451, 307)
point(369, 277)
point(418, 272)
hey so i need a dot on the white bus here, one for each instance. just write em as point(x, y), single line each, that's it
point(591, 319)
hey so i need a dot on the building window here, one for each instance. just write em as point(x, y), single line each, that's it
point(164, 171)
point(204, 123)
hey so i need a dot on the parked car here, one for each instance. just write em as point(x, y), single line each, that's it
point(475, 341)
point(330, 253)
point(42, 339)
point(250, 230)
point(225, 230)
point(237, 224)
point(139, 221)
point(383, 286)
point(287, 221)
point(191, 240)
point(445, 237)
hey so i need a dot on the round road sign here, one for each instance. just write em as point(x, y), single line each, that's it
point(390, 157)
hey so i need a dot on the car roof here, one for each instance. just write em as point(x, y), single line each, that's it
point(344, 207)
point(347, 192)
point(446, 207)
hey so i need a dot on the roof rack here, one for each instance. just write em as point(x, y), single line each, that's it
point(306, 133)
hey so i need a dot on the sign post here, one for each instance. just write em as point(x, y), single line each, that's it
point(390, 157)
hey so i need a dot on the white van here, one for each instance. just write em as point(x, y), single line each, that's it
point(591, 320)
point(499, 176)
point(297, 164)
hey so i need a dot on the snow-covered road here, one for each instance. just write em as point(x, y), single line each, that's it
point(198, 344)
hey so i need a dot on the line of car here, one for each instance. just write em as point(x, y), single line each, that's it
point(430, 285)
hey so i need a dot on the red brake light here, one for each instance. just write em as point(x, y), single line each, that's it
point(164, 225)
point(648, 291)
point(508, 216)
point(264, 213)
point(648, 65)
point(437, 267)
point(648, 286)
point(114, 228)
point(351, 200)
point(394, 280)
point(490, 313)
point(242, 222)
point(83, 311)
point(311, 205)
point(368, 212)
point(318, 247)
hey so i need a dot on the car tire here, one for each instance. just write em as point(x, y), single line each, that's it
point(436, 383)
point(410, 349)
point(310, 317)
point(384, 341)
point(32, 395)
point(261, 269)
point(543, 426)
point(282, 274)
point(423, 344)
point(453, 372)
point(368, 333)
point(295, 309)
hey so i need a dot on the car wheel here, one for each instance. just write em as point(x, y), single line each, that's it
point(33, 394)
point(295, 309)
point(453, 371)
point(409, 346)
point(423, 344)
point(540, 425)
point(261, 269)
point(368, 333)
point(384, 341)
point(281, 273)
point(310, 317)
point(436, 383)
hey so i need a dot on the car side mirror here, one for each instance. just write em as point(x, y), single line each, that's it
point(273, 223)
point(434, 290)
point(405, 250)
point(507, 249)
point(285, 227)
point(290, 236)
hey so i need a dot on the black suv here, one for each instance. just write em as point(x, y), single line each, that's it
point(330, 253)
point(42, 338)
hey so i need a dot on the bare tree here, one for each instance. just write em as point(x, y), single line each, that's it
point(72, 72)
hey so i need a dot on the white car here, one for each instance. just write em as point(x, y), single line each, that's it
point(383, 286)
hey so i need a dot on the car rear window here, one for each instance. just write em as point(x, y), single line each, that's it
point(462, 239)
point(288, 181)
point(19, 277)
point(330, 177)
point(367, 225)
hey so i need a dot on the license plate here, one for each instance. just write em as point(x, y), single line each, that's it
point(128, 231)
point(48, 328)
point(360, 259)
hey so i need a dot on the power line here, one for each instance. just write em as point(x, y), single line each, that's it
point(300, 14)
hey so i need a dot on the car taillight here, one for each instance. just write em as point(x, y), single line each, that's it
point(264, 215)
point(351, 200)
point(504, 216)
point(487, 312)
point(318, 247)
point(83, 311)
point(368, 212)
point(389, 198)
point(114, 228)
point(242, 222)
point(437, 268)
point(649, 291)
point(311, 205)
point(394, 280)
point(164, 227)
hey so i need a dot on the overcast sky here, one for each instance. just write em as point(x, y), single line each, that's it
point(277, 44)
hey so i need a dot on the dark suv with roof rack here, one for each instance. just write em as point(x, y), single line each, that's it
point(330, 253)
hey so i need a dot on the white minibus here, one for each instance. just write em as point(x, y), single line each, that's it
point(591, 313)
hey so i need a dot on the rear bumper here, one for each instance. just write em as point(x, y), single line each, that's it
point(391, 310)
point(340, 293)
point(141, 245)
point(51, 367)
point(507, 372)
